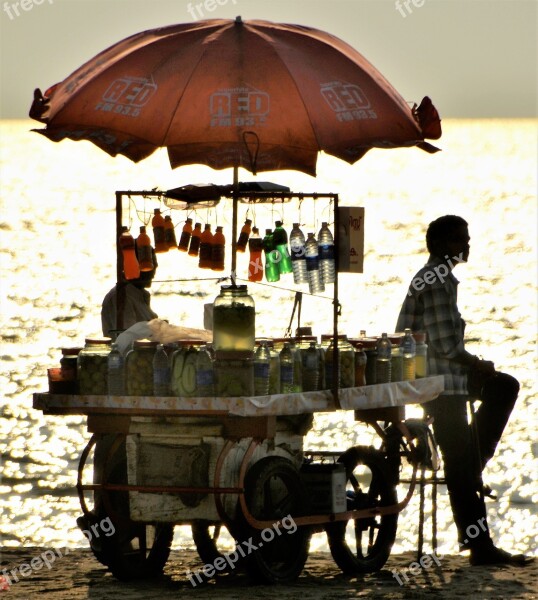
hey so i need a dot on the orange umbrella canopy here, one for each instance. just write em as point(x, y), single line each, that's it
point(224, 93)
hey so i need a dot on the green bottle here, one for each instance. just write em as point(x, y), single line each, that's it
point(280, 240)
point(271, 263)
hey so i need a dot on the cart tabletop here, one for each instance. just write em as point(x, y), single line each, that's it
point(367, 397)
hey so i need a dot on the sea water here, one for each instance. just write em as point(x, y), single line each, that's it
point(57, 229)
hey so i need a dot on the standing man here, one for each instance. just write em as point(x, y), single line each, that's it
point(431, 306)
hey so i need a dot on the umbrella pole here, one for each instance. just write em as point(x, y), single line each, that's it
point(120, 290)
point(235, 200)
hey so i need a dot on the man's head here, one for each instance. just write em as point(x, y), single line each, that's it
point(448, 238)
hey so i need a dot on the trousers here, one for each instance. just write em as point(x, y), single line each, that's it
point(466, 447)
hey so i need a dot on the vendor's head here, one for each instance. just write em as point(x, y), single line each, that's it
point(448, 238)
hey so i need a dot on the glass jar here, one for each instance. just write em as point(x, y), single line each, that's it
point(139, 368)
point(92, 366)
point(274, 369)
point(345, 368)
point(396, 358)
point(234, 373)
point(234, 318)
point(183, 368)
point(421, 354)
point(68, 364)
point(360, 363)
point(304, 343)
point(369, 346)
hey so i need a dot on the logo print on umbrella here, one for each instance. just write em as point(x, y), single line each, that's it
point(127, 95)
point(348, 101)
point(238, 107)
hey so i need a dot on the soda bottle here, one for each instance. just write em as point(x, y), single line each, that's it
point(143, 250)
point(262, 359)
point(298, 255)
point(255, 265)
point(186, 234)
point(161, 372)
point(326, 253)
point(383, 361)
point(169, 233)
point(204, 373)
point(315, 282)
point(408, 351)
point(217, 250)
point(131, 268)
point(286, 369)
point(196, 236)
point(271, 267)
point(158, 231)
point(243, 236)
point(280, 241)
point(206, 241)
point(115, 372)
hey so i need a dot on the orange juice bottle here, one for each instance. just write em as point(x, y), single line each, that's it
point(131, 268)
point(158, 231)
point(185, 236)
point(143, 249)
point(255, 265)
point(206, 241)
point(243, 236)
point(217, 250)
point(169, 233)
point(194, 246)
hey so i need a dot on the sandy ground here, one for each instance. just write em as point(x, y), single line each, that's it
point(78, 575)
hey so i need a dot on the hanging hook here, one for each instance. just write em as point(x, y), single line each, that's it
point(252, 156)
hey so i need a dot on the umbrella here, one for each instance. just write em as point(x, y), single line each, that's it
point(232, 93)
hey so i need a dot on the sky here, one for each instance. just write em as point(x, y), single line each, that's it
point(474, 58)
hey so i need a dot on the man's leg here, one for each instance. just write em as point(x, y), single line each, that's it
point(498, 396)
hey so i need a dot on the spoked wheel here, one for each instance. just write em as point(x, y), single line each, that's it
point(364, 545)
point(131, 550)
point(211, 540)
point(274, 492)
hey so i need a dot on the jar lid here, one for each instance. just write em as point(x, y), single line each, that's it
point(145, 344)
point(234, 355)
point(97, 341)
point(231, 288)
point(419, 336)
point(369, 343)
point(70, 351)
point(356, 343)
point(395, 339)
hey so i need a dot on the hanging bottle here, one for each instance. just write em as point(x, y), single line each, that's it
point(143, 250)
point(186, 235)
point(255, 265)
point(217, 250)
point(115, 372)
point(408, 351)
point(383, 361)
point(206, 241)
point(243, 236)
point(271, 267)
point(158, 231)
point(169, 233)
point(262, 359)
point(195, 238)
point(131, 268)
point(286, 369)
point(298, 255)
point(161, 372)
point(326, 253)
point(280, 241)
point(315, 282)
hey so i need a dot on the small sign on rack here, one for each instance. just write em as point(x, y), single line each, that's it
point(351, 239)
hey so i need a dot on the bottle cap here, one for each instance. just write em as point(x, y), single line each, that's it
point(144, 344)
point(70, 351)
point(95, 341)
point(420, 336)
point(248, 221)
point(296, 224)
point(156, 211)
point(278, 223)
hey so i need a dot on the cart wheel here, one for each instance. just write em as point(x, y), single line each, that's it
point(134, 550)
point(206, 535)
point(364, 545)
point(273, 491)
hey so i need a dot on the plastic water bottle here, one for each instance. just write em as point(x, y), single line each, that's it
point(131, 268)
point(326, 253)
point(115, 372)
point(161, 372)
point(408, 351)
point(143, 250)
point(186, 235)
point(170, 233)
point(311, 367)
point(280, 240)
point(243, 236)
point(158, 231)
point(195, 237)
point(315, 282)
point(286, 369)
point(272, 273)
point(262, 359)
point(298, 255)
point(383, 362)
point(255, 264)
point(217, 250)
point(204, 373)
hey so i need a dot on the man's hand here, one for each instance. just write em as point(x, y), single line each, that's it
point(485, 367)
